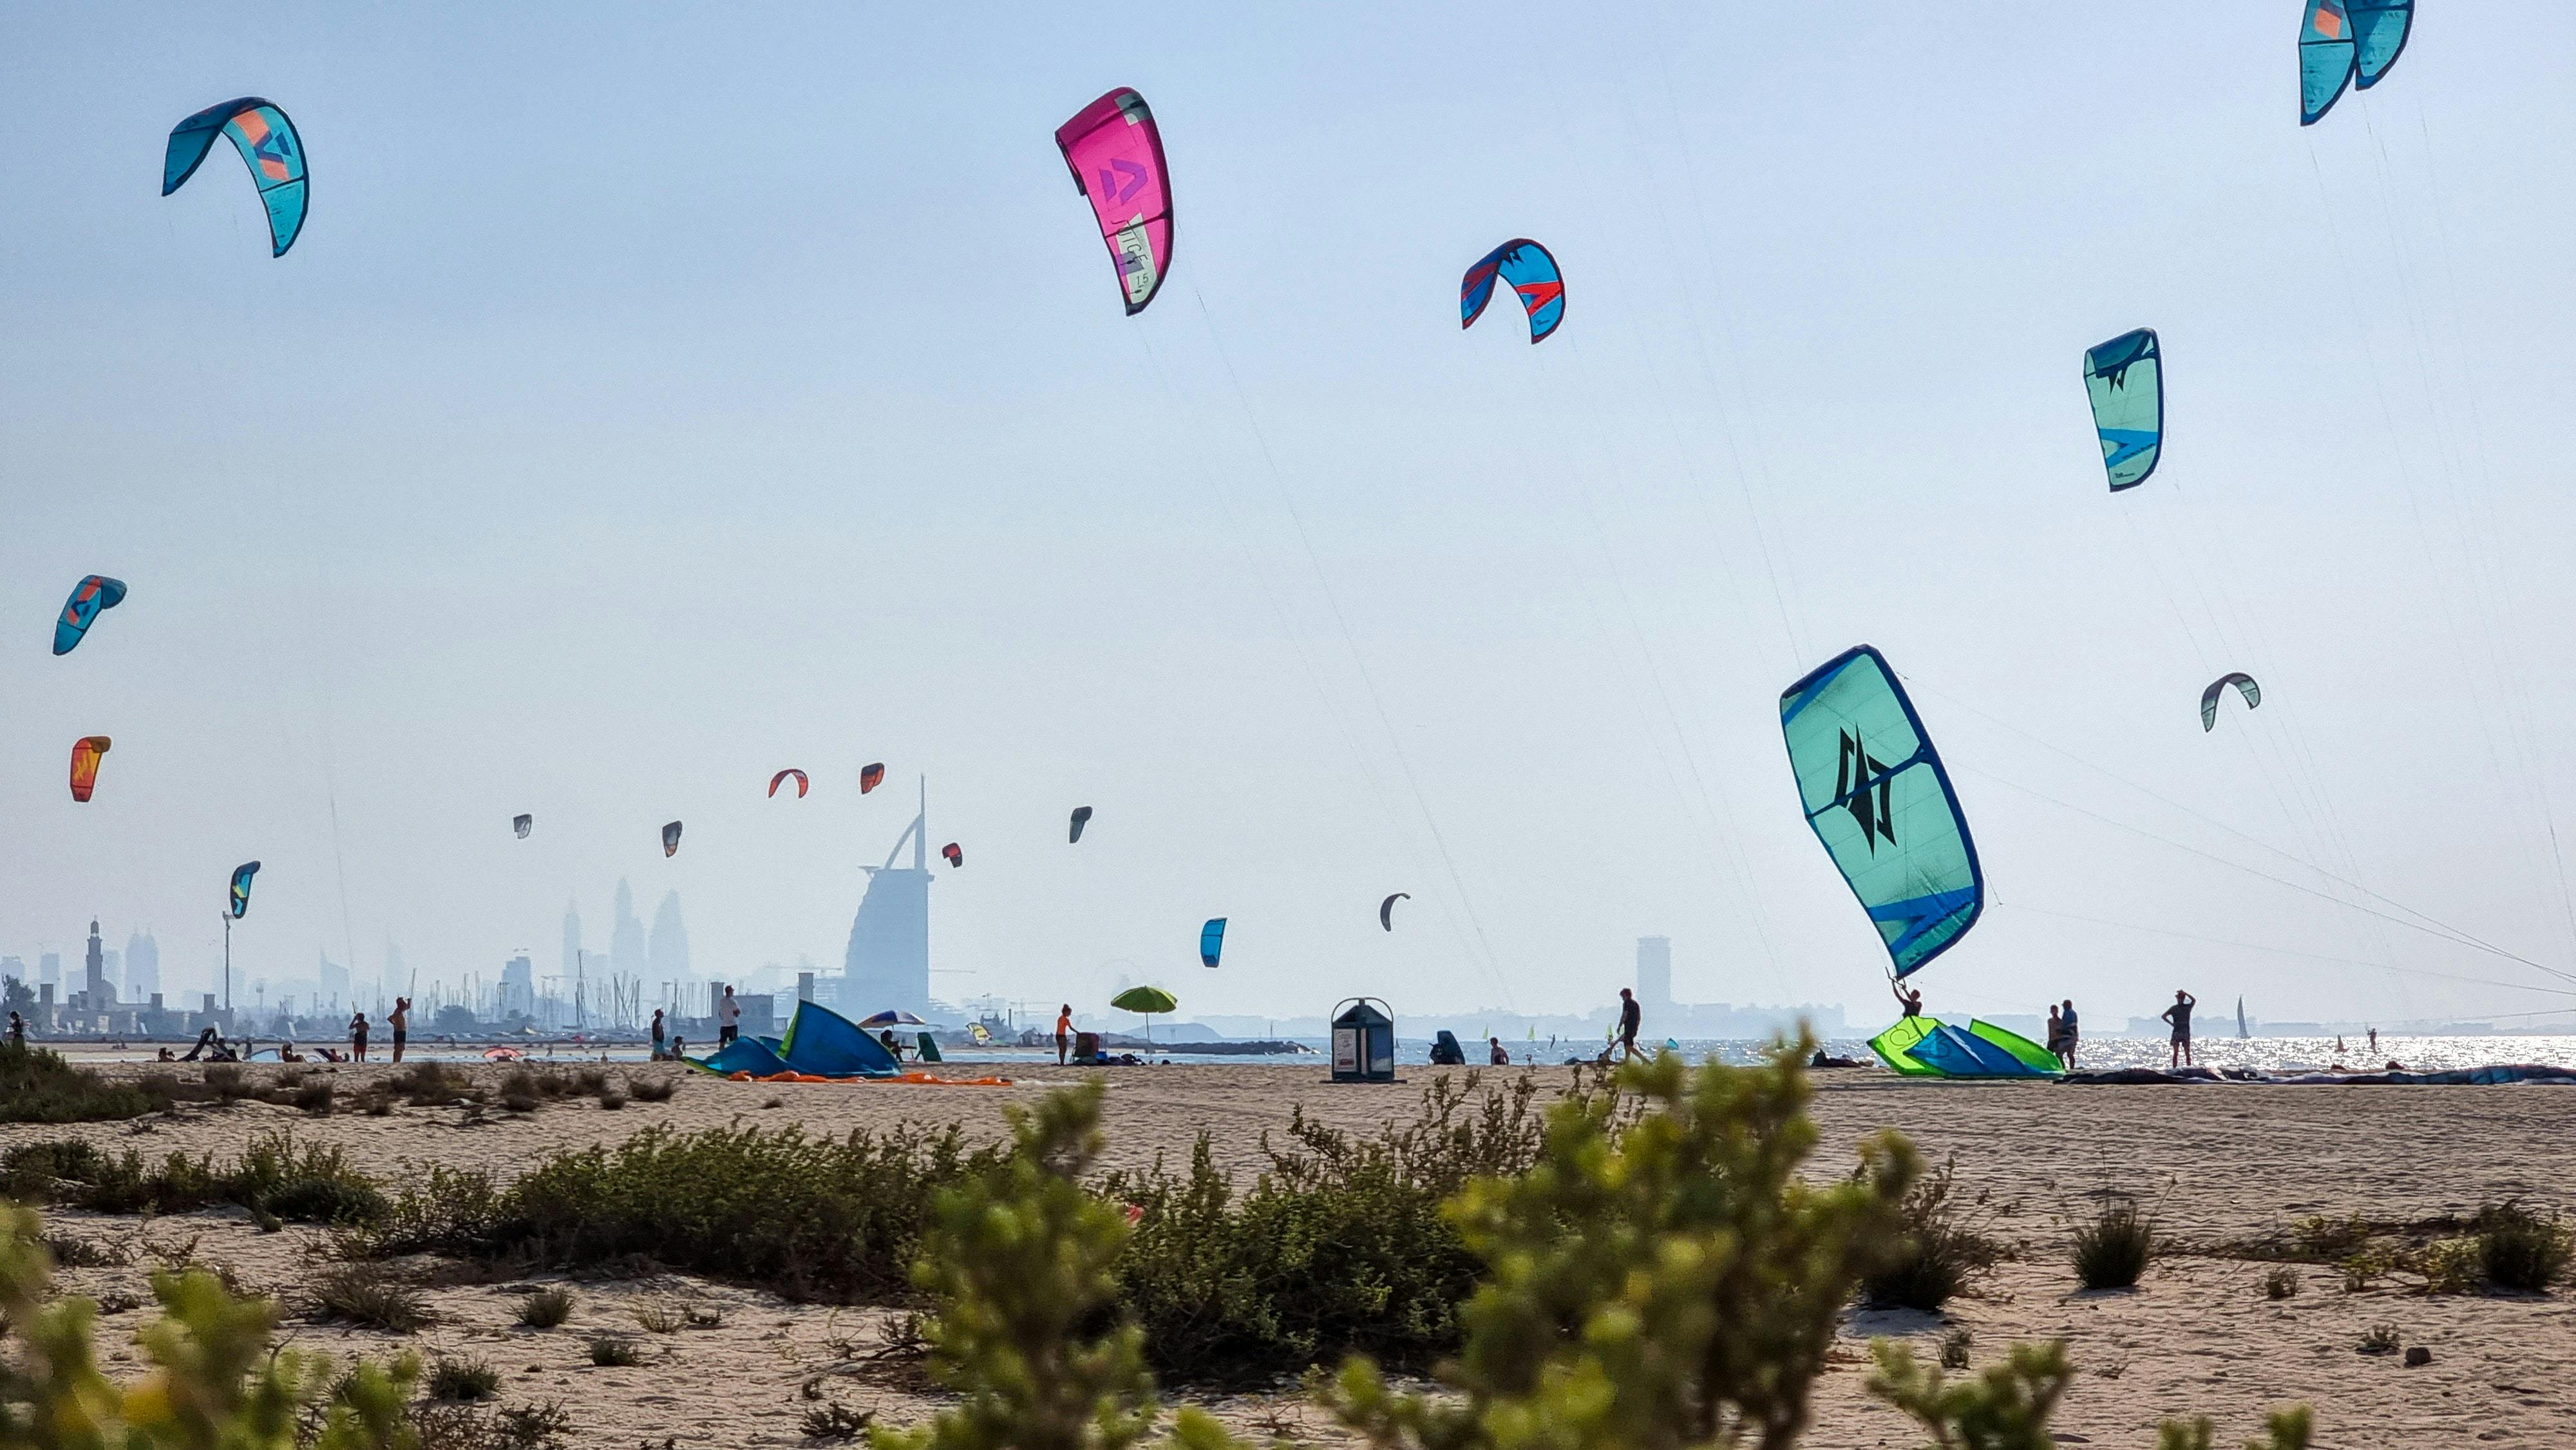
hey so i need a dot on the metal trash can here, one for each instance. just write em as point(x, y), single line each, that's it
point(1363, 1041)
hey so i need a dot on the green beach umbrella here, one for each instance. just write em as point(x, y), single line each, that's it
point(1146, 1000)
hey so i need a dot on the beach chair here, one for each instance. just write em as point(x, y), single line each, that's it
point(930, 1049)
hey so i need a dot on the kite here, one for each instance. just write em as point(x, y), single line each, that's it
point(1386, 909)
point(520, 824)
point(92, 594)
point(268, 146)
point(782, 775)
point(2348, 42)
point(870, 777)
point(2245, 686)
point(955, 856)
point(2125, 378)
point(1876, 795)
point(1212, 940)
point(1531, 271)
point(671, 839)
point(1115, 152)
point(86, 753)
point(1081, 818)
point(241, 888)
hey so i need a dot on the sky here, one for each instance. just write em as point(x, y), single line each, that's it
point(658, 397)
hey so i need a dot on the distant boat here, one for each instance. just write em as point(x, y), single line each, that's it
point(2240, 1019)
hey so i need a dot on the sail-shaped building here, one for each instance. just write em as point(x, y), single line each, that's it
point(887, 966)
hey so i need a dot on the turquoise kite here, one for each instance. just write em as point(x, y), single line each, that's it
point(1212, 940)
point(268, 146)
point(2125, 378)
point(92, 594)
point(1530, 271)
point(241, 888)
point(2348, 42)
point(2245, 687)
point(1875, 794)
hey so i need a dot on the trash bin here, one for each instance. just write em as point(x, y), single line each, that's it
point(1363, 1041)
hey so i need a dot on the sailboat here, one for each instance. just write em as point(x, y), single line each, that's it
point(2240, 1019)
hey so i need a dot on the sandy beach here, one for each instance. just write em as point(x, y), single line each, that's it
point(2216, 1164)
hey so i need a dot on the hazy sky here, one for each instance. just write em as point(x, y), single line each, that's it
point(656, 399)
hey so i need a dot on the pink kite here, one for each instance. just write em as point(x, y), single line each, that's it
point(1116, 154)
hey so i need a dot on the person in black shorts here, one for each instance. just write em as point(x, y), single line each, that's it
point(358, 1038)
point(1630, 1017)
point(2179, 1014)
point(400, 1017)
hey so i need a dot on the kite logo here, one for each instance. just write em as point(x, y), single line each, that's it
point(1852, 771)
point(1110, 188)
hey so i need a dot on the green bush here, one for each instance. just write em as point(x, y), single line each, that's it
point(546, 1308)
point(654, 1089)
point(464, 1381)
point(368, 1296)
point(1944, 1247)
point(2112, 1251)
point(1342, 1246)
point(216, 1376)
point(315, 1185)
point(38, 1086)
point(2519, 1249)
point(614, 1351)
point(812, 1218)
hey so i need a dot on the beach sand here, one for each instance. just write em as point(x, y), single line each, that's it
point(2215, 1163)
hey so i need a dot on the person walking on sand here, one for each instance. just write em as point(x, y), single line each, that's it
point(400, 1020)
point(2179, 1014)
point(1495, 1054)
point(1063, 1033)
point(1631, 1017)
point(728, 1019)
point(2074, 1035)
point(657, 1034)
point(358, 1038)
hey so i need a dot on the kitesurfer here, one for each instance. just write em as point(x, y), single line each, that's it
point(2179, 1014)
point(1908, 998)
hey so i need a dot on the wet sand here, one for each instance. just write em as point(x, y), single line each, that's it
point(2215, 1162)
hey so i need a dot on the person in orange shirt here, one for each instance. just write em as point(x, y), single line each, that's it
point(1063, 1032)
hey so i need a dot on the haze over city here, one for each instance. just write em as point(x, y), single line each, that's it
point(595, 460)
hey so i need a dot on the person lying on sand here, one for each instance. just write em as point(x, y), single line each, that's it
point(1820, 1060)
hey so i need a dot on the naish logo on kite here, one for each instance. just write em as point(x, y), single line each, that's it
point(1111, 190)
point(1852, 770)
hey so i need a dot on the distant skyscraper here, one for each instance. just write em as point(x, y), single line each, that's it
point(572, 940)
point(1655, 971)
point(49, 969)
point(518, 986)
point(94, 975)
point(888, 962)
point(111, 969)
point(333, 981)
point(626, 938)
point(12, 967)
point(669, 954)
point(142, 966)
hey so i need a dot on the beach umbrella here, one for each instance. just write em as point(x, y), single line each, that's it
point(894, 1018)
point(1146, 1000)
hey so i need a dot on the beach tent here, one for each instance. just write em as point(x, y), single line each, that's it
point(827, 1044)
point(743, 1054)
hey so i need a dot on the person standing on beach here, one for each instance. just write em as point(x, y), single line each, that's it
point(1495, 1056)
point(400, 1018)
point(17, 1030)
point(1631, 1017)
point(2179, 1014)
point(2056, 1035)
point(1063, 1033)
point(2066, 1024)
point(358, 1038)
point(2374, 1042)
point(657, 1034)
point(728, 1019)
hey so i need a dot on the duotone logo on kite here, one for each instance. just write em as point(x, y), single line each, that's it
point(1852, 772)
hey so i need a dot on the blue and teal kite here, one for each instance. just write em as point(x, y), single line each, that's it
point(268, 146)
point(2348, 42)
point(2125, 378)
point(240, 902)
point(1876, 795)
point(1531, 271)
point(1212, 940)
point(94, 593)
